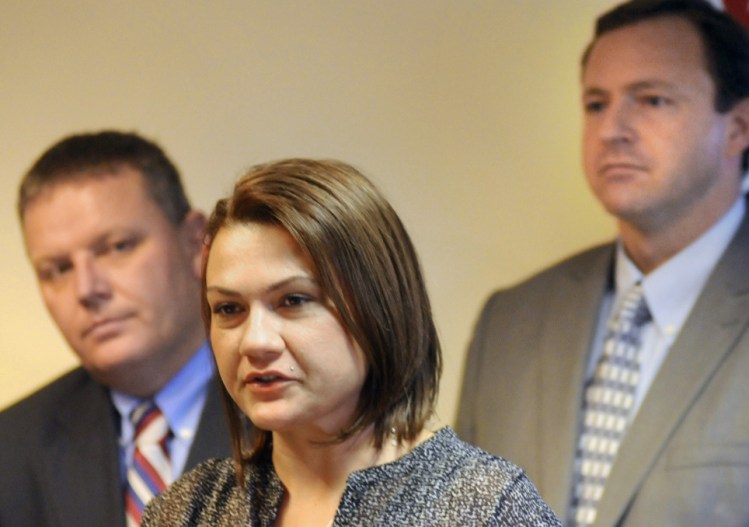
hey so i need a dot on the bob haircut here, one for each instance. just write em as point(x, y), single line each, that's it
point(368, 268)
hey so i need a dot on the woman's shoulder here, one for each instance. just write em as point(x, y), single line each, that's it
point(446, 481)
point(447, 452)
point(206, 495)
point(484, 477)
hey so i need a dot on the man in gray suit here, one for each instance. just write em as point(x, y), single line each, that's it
point(116, 249)
point(666, 130)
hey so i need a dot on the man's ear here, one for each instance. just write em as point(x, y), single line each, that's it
point(193, 232)
point(738, 133)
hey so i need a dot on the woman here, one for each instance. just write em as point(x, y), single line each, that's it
point(323, 335)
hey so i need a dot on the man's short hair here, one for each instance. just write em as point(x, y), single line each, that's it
point(725, 40)
point(93, 155)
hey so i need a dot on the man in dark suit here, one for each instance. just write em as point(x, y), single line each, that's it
point(116, 249)
point(666, 130)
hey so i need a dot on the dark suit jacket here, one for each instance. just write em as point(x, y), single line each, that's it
point(59, 458)
point(685, 459)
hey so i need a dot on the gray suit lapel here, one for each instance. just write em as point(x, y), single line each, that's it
point(573, 309)
point(720, 316)
point(80, 460)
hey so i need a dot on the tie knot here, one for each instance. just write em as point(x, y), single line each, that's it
point(150, 471)
point(150, 424)
point(633, 309)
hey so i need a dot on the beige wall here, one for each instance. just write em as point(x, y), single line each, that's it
point(464, 112)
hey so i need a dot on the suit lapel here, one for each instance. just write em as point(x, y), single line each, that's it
point(719, 317)
point(212, 436)
point(573, 306)
point(80, 461)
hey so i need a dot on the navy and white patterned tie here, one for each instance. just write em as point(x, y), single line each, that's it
point(608, 403)
point(151, 471)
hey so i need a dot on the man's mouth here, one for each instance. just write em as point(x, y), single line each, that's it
point(103, 326)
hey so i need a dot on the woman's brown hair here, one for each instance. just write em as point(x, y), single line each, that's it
point(367, 266)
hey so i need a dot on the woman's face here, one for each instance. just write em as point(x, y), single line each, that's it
point(282, 351)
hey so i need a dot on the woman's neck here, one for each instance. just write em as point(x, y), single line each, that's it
point(314, 475)
point(303, 462)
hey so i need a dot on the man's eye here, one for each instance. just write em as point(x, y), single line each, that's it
point(594, 106)
point(123, 245)
point(655, 101)
point(52, 272)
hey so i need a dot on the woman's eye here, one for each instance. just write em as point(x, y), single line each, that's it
point(295, 300)
point(225, 309)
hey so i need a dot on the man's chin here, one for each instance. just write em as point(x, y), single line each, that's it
point(115, 368)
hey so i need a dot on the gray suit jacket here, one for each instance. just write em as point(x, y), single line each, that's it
point(685, 459)
point(59, 459)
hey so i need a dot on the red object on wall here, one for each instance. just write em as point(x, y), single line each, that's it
point(739, 9)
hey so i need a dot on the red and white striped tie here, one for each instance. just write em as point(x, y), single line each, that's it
point(151, 469)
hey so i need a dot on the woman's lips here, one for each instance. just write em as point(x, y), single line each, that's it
point(266, 382)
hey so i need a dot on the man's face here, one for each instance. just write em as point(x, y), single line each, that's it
point(118, 278)
point(655, 150)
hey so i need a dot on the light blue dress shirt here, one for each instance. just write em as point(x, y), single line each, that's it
point(671, 291)
point(181, 401)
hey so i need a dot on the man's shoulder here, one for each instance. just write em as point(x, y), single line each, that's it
point(45, 402)
point(593, 262)
point(596, 259)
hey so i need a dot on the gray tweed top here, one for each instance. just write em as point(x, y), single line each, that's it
point(442, 482)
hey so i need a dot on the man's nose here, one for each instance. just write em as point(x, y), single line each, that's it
point(91, 282)
point(617, 122)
